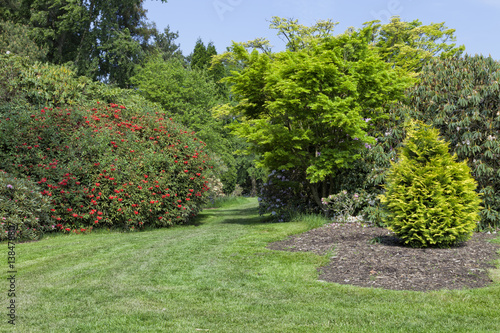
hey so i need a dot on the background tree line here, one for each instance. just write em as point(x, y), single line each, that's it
point(112, 43)
point(352, 86)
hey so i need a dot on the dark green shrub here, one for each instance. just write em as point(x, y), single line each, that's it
point(430, 198)
point(11, 90)
point(15, 39)
point(284, 195)
point(461, 97)
point(23, 208)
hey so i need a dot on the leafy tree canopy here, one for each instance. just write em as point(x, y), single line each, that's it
point(298, 36)
point(103, 39)
point(189, 94)
point(409, 45)
point(406, 45)
point(308, 108)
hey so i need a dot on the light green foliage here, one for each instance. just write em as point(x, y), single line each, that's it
point(189, 94)
point(309, 109)
point(430, 197)
point(47, 84)
point(298, 36)
point(409, 45)
point(22, 207)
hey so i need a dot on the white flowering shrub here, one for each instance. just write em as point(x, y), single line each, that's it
point(216, 188)
point(344, 204)
point(238, 191)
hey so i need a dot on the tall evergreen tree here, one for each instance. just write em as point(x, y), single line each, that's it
point(164, 44)
point(200, 57)
point(104, 39)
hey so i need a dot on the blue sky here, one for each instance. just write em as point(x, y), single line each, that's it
point(477, 22)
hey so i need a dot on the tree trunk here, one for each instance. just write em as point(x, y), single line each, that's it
point(315, 192)
point(253, 192)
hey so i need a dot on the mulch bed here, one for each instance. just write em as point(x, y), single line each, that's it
point(373, 257)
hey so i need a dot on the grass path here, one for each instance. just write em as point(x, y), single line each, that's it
point(216, 276)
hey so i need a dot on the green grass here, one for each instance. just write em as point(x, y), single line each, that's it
point(217, 276)
point(227, 201)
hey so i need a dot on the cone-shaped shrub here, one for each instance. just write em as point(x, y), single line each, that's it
point(430, 197)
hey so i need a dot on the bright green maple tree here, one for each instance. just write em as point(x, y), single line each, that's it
point(309, 108)
point(409, 45)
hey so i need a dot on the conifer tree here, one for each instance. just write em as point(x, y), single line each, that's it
point(200, 58)
point(430, 198)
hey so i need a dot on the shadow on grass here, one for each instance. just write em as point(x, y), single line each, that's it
point(244, 216)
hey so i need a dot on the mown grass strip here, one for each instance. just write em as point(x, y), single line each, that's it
point(218, 276)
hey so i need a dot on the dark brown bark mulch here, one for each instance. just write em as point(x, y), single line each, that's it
point(373, 257)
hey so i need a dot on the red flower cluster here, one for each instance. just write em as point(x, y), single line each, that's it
point(93, 173)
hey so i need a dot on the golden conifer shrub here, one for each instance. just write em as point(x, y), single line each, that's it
point(430, 197)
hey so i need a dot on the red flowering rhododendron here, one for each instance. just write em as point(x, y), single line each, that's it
point(91, 164)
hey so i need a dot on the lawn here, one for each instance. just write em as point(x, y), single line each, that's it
point(217, 276)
